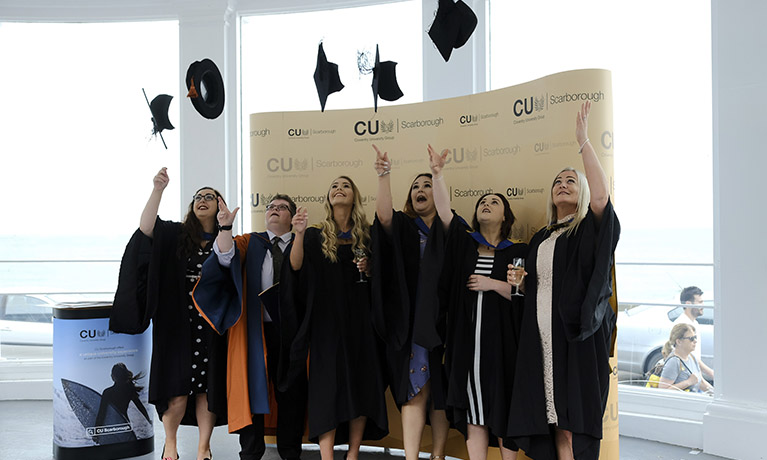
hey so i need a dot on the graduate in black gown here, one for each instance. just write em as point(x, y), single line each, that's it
point(325, 313)
point(161, 265)
point(416, 374)
point(483, 318)
point(562, 377)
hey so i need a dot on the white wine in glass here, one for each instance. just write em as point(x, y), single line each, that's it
point(518, 263)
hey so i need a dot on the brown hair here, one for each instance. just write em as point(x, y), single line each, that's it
point(408, 208)
point(191, 228)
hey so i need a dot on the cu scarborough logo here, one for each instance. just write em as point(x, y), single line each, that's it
point(457, 156)
point(90, 334)
point(468, 120)
point(298, 133)
point(528, 105)
point(287, 164)
point(373, 127)
point(515, 192)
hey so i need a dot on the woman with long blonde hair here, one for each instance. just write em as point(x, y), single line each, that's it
point(561, 383)
point(325, 313)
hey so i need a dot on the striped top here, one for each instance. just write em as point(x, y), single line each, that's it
point(484, 265)
point(476, 413)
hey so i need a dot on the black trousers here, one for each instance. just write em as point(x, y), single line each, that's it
point(291, 413)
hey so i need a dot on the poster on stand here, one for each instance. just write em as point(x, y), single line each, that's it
point(100, 384)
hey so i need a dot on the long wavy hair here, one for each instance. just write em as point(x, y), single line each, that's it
point(121, 375)
point(582, 208)
point(191, 228)
point(677, 332)
point(360, 226)
point(408, 208)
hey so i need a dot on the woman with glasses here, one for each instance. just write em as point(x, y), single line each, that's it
point(681, 371)
point(563, 372)
point(187, 381)
point(325, 314)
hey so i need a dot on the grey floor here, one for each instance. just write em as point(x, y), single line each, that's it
point(26, 433)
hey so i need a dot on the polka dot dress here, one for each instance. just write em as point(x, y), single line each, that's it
point(199, 347)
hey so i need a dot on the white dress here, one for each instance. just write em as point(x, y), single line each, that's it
point(545, 261)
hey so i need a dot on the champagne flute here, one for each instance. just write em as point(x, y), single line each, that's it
point(519, 264)
point(359, 255)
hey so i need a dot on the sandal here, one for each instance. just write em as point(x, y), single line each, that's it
point(163, 457)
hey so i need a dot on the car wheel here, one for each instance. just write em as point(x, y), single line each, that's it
point(652, 360)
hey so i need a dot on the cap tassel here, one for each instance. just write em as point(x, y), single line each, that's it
point(192, 90)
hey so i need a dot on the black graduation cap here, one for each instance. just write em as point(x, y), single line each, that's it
point(385, 81)
point(159, 108)
point(453, 25)
point(326, 77)
point(206, 88)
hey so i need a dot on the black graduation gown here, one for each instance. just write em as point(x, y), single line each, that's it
point(582, 326)
point(396, 279)
point(152, 287)
point(325, 314)
point(500, 326)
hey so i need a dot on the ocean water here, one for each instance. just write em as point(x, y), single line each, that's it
point(83, 264)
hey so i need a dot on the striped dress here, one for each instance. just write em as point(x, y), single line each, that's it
point(475, 414)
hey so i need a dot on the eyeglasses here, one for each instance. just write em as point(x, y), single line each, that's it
point(278, 207)
point(206, 197)
point(692, 338)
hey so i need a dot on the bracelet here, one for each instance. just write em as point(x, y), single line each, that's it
point(385, 172)
point(435, 178)
point(580, 150)
point(224, 227)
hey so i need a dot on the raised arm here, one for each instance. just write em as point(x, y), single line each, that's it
point(441, 195)
point(383, 201)
point(299, 227)
point(225, 219)
point(149, 215)
point(593, 169)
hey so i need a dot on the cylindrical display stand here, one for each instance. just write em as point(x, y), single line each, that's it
point(100, 387)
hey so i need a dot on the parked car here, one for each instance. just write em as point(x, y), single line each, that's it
point(26, 319)
point(642, 331)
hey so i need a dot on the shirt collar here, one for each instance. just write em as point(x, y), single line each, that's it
point(285, 237)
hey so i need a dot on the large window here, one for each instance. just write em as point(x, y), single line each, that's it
point(279, 54)
point(659, 54)
point(78, 161)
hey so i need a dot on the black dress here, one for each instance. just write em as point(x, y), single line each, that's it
point(483, 335)
point(578, 330)
point(188, 357)
point(397, 292)
point(325, 313)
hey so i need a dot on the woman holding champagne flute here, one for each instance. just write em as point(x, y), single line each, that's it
point(559, 399)
point(325, 312)
point(483, 317)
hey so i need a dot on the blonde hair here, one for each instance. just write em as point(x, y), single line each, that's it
point(581, 209)
point(360, 227)
point(677, 332)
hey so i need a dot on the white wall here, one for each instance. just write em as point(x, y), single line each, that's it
point(739, 411)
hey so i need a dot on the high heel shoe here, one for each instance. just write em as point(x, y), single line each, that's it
point(210, 455)
point(163, 457)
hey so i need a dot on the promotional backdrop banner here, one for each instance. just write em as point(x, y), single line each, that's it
point(512, 141)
